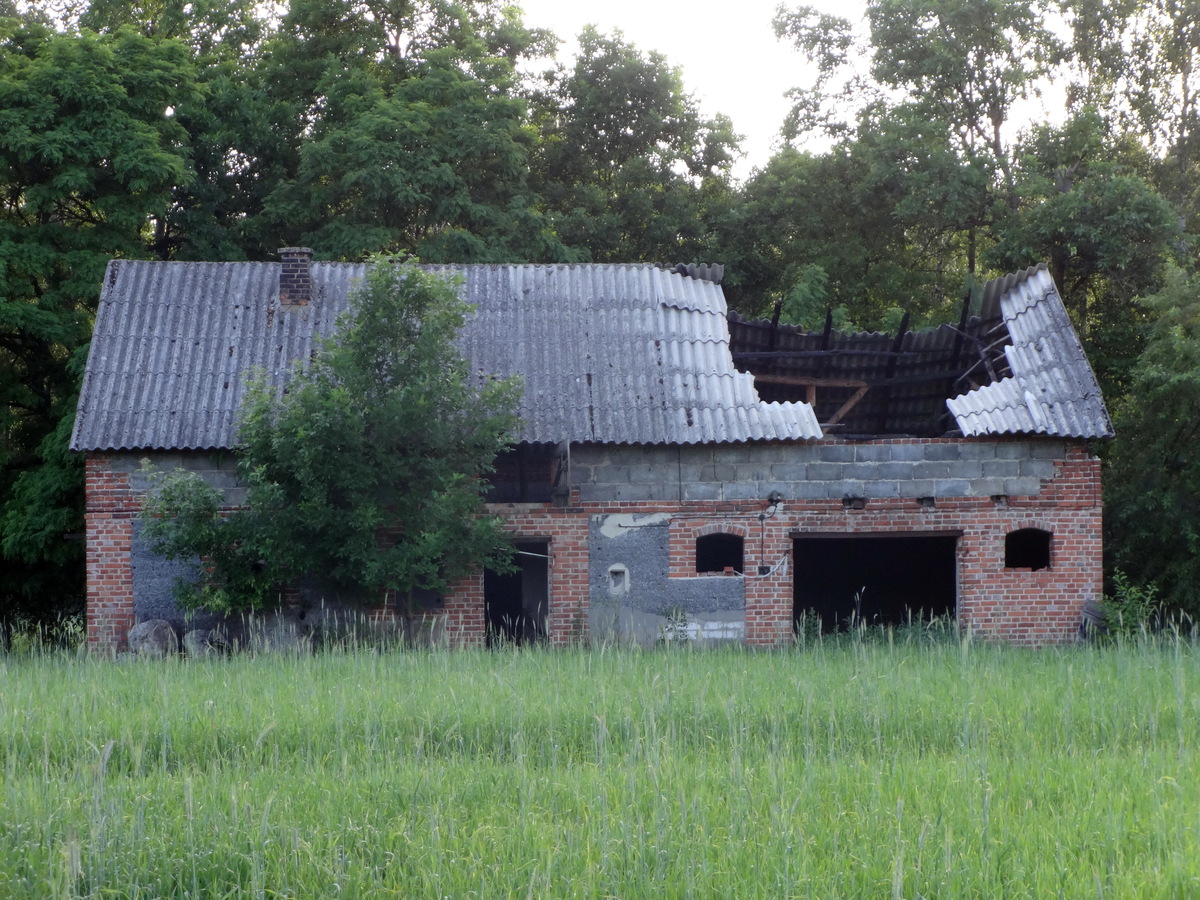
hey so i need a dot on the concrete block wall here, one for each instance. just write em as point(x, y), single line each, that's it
point(822, 470)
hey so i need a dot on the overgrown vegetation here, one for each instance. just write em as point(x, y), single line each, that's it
point(853, 768)
point(366, 475)
point(1130, 609)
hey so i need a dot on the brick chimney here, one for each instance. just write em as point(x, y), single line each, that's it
point(295, 281)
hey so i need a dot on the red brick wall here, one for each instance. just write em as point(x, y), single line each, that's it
point(1015, 605)
point(566, 530)
point(113, 503)
point(111, 507)
point(1020, 606)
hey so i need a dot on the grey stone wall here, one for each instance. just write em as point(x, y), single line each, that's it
point(815, 471)
point(153, 581)
point(153, 576)
point(633, 600)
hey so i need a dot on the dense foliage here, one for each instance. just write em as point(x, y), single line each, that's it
point(365, 476)
point(1153, 520)
point(909, 174)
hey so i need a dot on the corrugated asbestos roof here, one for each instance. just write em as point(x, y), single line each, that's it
point(1051, 389)
point(609, 353)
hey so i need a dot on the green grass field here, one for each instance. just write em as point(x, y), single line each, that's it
point(848, 768)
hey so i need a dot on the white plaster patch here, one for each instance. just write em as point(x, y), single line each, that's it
point(620, 523)
point(716, 631)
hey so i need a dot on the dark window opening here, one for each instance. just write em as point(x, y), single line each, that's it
point(523, 474)
point(517, 602)
point(877, 580)
point(1027, 548)
point(718, 552)
point(428, 601)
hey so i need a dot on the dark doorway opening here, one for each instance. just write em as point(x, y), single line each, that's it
point(873, 579)
point(517, 602)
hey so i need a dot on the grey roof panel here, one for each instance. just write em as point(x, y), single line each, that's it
point(607, 353)
point(1052, 389)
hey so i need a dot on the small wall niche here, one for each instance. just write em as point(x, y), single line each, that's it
point(1027, 548)
point(618, 581)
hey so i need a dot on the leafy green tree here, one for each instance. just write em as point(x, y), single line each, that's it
point(900, 211)
point(1106, 233)
point(1152, 482)
point(963, 64)
point(843, 223)
point(408, 131)
point(830, 104)
point(1138, 63)
point(627, 168)
point(367, 474)
point(437, 164)
point(943, 77)
point(89, 158)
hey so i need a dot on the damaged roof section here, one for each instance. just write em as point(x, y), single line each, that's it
point(1050, 388)
point(622, 354)
point(1015, 368)
point(631, 354)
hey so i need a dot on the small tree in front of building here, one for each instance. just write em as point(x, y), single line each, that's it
point(366, 473)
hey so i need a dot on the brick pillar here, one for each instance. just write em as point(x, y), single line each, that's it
point(569, 587)
point(111, 506)
point(463, 613)
point(769, 604)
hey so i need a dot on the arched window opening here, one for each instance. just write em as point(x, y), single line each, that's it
point(1027, 548)
point(718, 552)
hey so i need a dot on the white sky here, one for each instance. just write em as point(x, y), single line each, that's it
point(731, 60)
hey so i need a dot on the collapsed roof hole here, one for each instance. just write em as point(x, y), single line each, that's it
point(890, 579)
point(718, 552)
point(1027, 548)
point(869, 384)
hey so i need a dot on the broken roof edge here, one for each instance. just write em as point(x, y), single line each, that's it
point(1052, 390)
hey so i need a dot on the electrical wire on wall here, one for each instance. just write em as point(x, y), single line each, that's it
point(780, 568)
point(773, 500)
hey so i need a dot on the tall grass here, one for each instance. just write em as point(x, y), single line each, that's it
point(847, 769)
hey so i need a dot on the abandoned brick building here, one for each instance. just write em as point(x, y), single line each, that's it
point(675, 463)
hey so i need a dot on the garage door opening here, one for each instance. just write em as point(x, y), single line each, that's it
point(873, 579)
point(517, 602)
